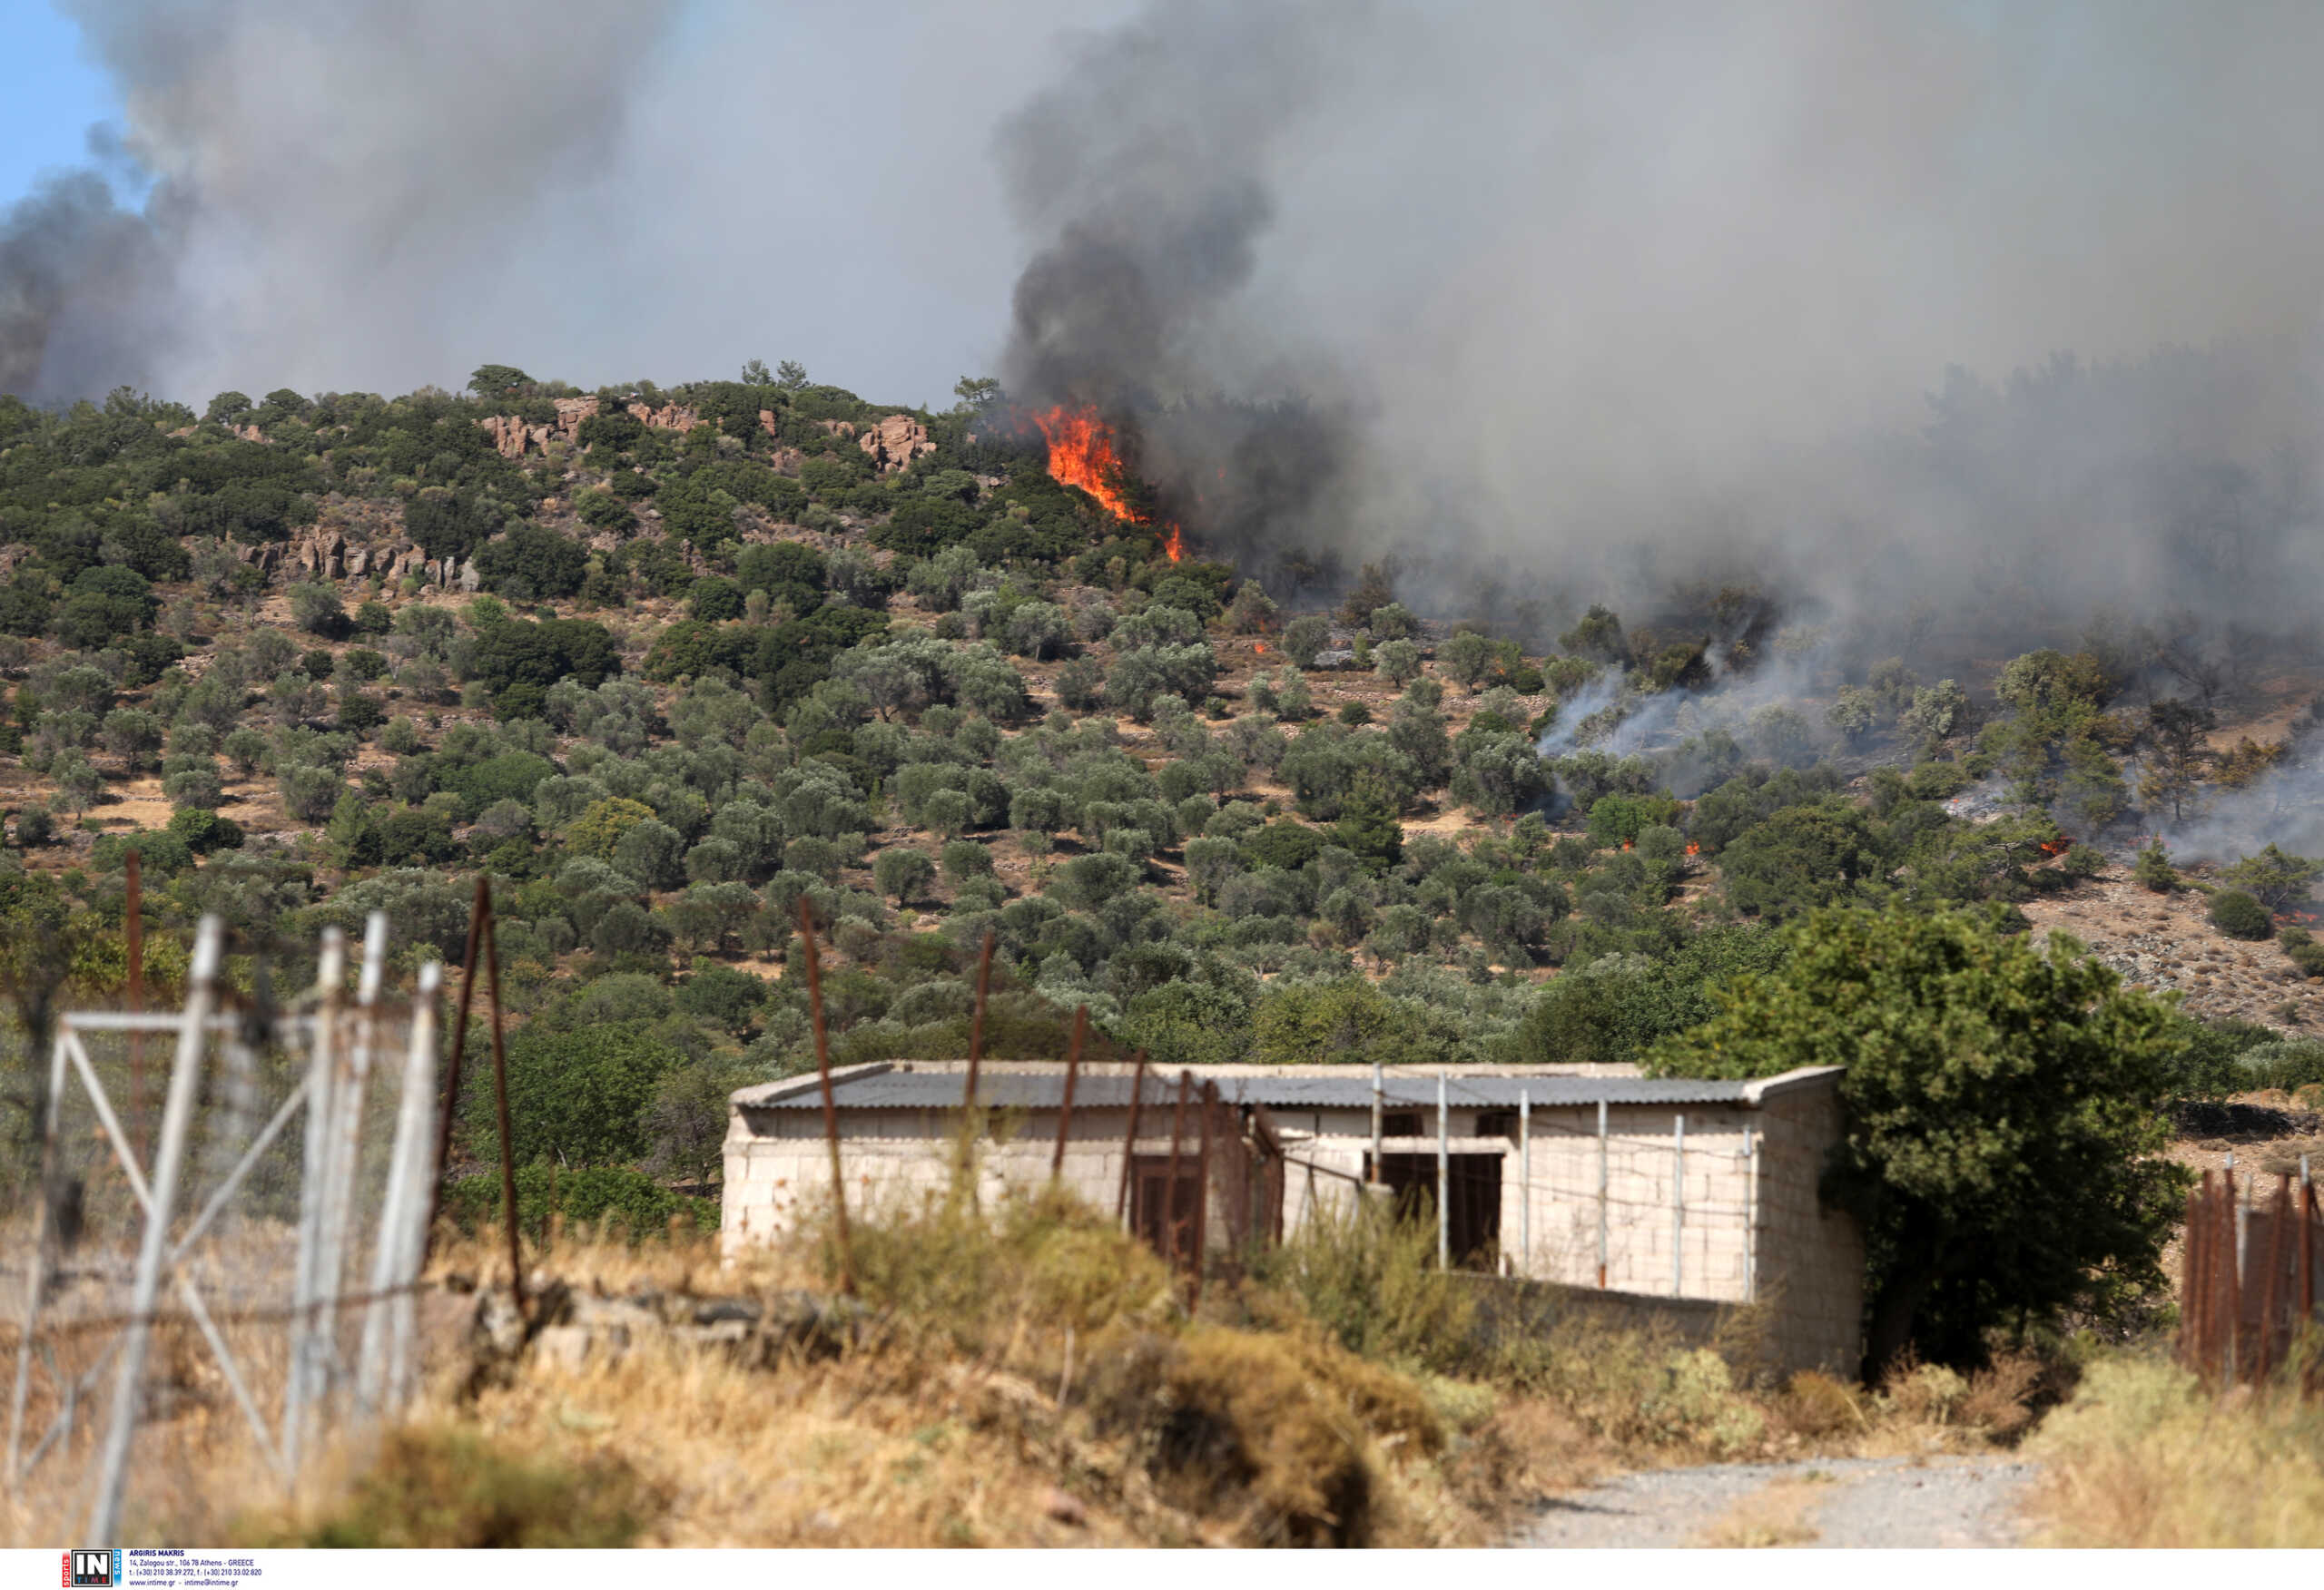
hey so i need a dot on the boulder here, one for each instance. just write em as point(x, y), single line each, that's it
point(895, 441)
point(572, 411)
point(511, 436)
point(671, 417)
point(320, 554)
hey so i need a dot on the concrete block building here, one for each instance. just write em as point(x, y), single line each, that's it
point(1673, 1188)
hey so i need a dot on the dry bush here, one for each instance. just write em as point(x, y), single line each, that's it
point(2144, 1455)
point(1818, 1408)
point(442, 1485)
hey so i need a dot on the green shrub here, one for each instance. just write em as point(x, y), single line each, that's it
point(574, 1097)
point(2153, 869)
point(2238, 915)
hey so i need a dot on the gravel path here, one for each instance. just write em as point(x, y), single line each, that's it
point(1830, 1502)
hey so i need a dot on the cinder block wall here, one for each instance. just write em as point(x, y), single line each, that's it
point(1739, 1237)
point(1811, 1258)
point(778, 1165)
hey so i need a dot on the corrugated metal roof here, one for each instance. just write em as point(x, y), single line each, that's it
point(922, 1090)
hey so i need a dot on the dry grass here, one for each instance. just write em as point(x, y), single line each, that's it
point(2144, 1456)
point(1780, 1513)
point(1022, 1374)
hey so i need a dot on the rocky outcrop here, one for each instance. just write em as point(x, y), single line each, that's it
point(511, 436)
point(838, 427)
point(895, 440)
point(320, 554)
point(572, 1329)
point(670, 416)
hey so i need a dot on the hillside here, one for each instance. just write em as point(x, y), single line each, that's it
point(668, 662)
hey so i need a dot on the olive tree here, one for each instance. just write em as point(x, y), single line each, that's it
point(2005, 1114)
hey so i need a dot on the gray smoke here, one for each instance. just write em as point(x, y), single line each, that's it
point(337, 191)
point(1593, 297)
point(84, 288)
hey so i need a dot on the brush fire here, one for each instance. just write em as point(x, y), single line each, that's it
point(1082, 454)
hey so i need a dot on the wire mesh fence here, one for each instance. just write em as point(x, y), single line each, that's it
point(215, 1258)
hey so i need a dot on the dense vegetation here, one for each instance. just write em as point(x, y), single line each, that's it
point(720, 661)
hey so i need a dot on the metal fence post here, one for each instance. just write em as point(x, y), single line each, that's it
point(1122, 1210)
point(1065, 1105)
point(448, 1107)
point(831, 1110)
point(1444, 1177)
point(132, 923)
point(1603, 1145)
point(44, 1240)
point(1202, 1185)
point(1379, 1121)
point(1677, 1204)
point(1170, 1222)
point(322, 1068)
point(390, 1261)
point(1524, 1181)
point(177, 1112)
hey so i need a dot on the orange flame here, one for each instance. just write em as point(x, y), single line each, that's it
point(1258, 646)
point(1694, 848)
point(1082, 454)
point(2058, 846)
point(1626, 844)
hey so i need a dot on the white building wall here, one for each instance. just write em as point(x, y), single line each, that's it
point(1752, 1227)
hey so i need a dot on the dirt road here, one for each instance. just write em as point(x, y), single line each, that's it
point(1829, 1502)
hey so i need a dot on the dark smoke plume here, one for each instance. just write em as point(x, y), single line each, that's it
point(84, 289)
point(1592, 300)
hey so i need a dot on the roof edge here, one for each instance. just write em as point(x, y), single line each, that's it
point(767, 1092)
point(1757, 1093)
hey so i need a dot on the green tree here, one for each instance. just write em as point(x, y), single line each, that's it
point(492, 380)
point(902, 874)
point(578, 1098)
point(599, 827)
point(1468, 656)
point(1304, 639)
point(1350, 1022)
point(2004, 1111)
point(2177, 755)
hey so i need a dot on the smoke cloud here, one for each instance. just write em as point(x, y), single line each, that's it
point(1598, 298)
point(1558, 303)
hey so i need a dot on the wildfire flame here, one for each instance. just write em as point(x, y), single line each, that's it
point(1694, 848)
point(1258, 646)
point(1082, 454)
point(2058, 846)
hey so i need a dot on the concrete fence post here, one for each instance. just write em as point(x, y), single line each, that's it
point(1750, 1214)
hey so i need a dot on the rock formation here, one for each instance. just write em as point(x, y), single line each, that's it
point(895, 440)
point(670, 416)
point(320, 554)
point(511, 436)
